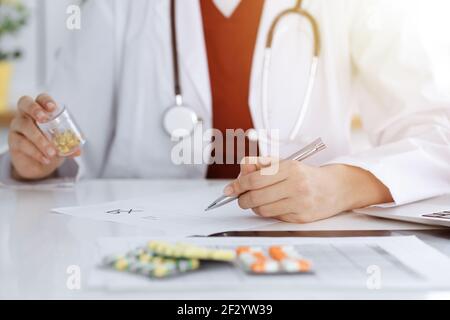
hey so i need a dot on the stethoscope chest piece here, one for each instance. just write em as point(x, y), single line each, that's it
point(180, 121)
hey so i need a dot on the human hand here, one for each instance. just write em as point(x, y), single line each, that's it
point(33, 156)
point(297, 193)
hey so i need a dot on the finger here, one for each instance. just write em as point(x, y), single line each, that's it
point(27, 106)
point(249, 165)
point(46, 102)
point(253, 164)
point(76, 154)
point(276, 209)
point(33, 168)
point(20, 144)
point(27, 128)
point(258, 198)
point(256, 180)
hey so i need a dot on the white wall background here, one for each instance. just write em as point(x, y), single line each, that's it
point(40, 41)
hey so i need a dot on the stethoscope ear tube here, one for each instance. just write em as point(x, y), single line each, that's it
point(303, 13)
point(265, 87)
point(307, 100)
point(312, 72)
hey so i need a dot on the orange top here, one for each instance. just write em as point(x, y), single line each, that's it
point(230, 44)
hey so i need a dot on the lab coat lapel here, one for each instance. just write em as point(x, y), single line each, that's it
point(191, 47)
point(271, 9)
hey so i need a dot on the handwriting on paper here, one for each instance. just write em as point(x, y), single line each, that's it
point(130, 212)
point(120, 211)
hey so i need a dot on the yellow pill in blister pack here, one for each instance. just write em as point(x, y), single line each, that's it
point(224, 255)
point(188, 251)
point(121, 264)
point(145, 258)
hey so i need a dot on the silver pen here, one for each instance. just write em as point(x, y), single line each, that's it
point(301, 155)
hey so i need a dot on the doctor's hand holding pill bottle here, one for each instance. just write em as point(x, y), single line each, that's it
point(35, 152)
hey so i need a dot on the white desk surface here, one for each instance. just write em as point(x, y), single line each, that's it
point(36, 246)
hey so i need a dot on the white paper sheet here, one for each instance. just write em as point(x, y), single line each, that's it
point(339, 263)
point(178, 213)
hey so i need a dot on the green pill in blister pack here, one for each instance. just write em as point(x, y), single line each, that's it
point(146, 263)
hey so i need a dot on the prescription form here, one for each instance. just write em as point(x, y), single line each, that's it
point(350, 263)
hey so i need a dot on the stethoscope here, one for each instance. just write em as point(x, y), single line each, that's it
point(180, 120)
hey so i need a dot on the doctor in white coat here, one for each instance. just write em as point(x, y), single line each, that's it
point(116, 75)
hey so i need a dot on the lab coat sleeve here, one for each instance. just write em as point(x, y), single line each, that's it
point(402, 77)
point(83, 79)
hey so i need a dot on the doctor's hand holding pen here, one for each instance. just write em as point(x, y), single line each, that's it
point(297, 193)
point(33, 155)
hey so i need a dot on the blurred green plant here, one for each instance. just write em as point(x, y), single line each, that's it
point(13, 17)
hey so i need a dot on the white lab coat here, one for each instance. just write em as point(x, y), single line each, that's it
point(116, 76)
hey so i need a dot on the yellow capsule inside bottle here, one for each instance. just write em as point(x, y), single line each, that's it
point(63, 132)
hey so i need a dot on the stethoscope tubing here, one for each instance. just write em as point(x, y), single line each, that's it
point(297, 10)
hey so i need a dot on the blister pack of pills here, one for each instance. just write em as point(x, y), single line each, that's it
point(147, 264)
point(273, 260)
point(158, 259)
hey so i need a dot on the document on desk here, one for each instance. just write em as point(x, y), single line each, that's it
point(383, 263)
point(177, 213)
